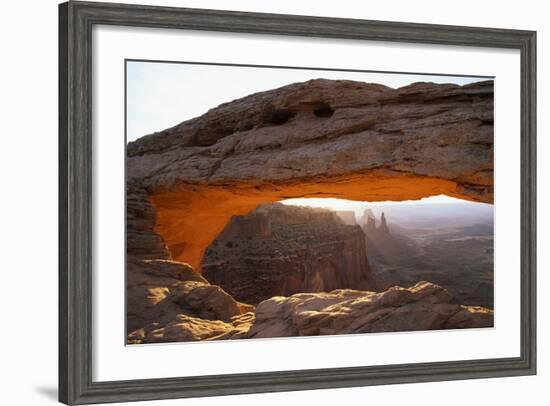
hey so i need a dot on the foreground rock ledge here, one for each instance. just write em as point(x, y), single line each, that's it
point(424, 306)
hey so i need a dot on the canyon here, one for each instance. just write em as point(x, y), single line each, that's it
point(279, 250)
point(320, 138)
point(454, 252)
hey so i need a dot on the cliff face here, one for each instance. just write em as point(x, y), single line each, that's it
point(282, 250)
point(347, 217)
point(141, 240)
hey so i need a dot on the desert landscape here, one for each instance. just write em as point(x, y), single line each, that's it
point(223, 242)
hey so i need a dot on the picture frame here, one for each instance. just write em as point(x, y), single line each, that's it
point(76, 20)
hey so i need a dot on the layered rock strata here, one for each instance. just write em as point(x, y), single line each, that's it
point(282, 250)
point(347, 217)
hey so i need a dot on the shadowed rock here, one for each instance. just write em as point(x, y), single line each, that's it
point(187, 328)
point(157, 291)
point(141, 216)
point(281, 250)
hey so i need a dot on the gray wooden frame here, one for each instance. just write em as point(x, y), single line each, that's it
point(75, 220)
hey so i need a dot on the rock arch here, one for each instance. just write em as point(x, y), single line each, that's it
point(320, 138)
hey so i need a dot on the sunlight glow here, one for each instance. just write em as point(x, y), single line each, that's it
point(359, 207)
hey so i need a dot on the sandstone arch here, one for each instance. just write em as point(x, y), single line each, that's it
point(320, 138)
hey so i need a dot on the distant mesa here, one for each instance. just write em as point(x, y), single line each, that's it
point(347, 217)
point(279, 250)
point(368, 221)
point(367, 214)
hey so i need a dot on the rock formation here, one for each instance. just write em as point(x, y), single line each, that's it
point(385, 248)
point(454, 254)
point(383, 225)
point(320, 138)
point(424, 306)
point(347, 217)
point(187, 328)
point(141, 240)
point(282, 250)
point(158, 291)
point(368, 219)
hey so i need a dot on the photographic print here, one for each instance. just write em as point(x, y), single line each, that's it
point(318, 187)
point(270, 202)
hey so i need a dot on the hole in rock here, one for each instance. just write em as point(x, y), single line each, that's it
point(323, 110)
point(279, 117)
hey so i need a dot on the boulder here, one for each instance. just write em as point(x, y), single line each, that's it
point(187, 328)
point(157, 291)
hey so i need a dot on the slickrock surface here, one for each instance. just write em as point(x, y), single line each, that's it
point(158, 291)
point(187, 328)
point(320, 138)
point(424, 306)
point(279, 250)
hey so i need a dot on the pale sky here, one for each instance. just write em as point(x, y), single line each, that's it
point(161, 95)
point(359, 207)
